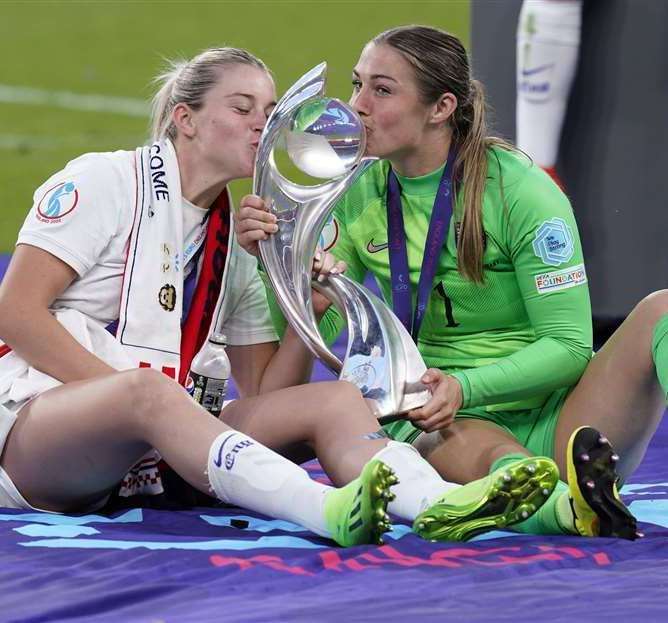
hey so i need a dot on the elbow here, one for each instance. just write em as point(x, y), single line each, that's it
point(579, 357)
point(15, 314)
point(7, 320)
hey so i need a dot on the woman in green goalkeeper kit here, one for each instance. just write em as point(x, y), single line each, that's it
point(503, 317)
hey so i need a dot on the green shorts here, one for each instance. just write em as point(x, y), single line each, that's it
point(533, 428)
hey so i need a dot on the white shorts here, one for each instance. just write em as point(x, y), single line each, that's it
point(7, 419)
point(10, 497)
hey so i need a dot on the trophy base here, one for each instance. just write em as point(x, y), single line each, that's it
point(409, 402)
point(394, 417)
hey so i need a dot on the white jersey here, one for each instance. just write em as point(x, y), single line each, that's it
point(83, 215)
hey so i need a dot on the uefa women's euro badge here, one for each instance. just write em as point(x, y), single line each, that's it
point(326, 139)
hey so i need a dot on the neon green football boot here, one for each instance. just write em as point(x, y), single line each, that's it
point(357, 513)
point(592, 486)
point(507, 496)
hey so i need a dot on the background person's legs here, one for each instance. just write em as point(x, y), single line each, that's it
point(548, 41)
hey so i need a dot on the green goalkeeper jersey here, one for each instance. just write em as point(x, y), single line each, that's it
point(522, 333)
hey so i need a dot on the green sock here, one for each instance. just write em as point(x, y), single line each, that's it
point(660, 352)
point(553, 517)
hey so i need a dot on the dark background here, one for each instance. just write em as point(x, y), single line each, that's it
point(611, 156)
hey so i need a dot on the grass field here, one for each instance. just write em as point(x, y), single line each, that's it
point(65, 50)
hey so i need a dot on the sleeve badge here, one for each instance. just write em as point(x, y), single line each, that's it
point(554, 242)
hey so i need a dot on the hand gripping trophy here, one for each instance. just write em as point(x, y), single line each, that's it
point(326, 139)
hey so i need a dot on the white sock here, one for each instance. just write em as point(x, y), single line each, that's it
point(419, 483)
point(548, 38)
point(244, 472)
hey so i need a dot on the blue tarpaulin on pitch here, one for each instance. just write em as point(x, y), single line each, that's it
point(160, 566)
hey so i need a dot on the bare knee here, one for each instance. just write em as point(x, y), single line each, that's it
point(504, 449)
point(484, 457)
point(340, 396)
point(653, 307)
point(149, 394)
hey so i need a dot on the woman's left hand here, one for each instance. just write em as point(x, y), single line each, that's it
point(446, 399)
point(325, 264)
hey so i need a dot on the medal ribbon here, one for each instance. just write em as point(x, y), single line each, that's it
point(441, 214)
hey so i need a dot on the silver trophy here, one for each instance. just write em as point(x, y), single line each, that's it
point(326, 139)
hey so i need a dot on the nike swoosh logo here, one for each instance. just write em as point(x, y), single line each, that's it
point(374, 248)
point(537, 70)
point(218, 461)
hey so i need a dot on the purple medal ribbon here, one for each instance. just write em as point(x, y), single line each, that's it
point(439, 224)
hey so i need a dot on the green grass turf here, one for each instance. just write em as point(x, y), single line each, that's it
point(115, 48)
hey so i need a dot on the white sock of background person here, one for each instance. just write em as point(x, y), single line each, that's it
point(419, 486)
point(548, 39)
point(245, 473)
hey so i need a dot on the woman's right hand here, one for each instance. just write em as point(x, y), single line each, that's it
point(440, 410)
point(253, 223)
point(324, 264)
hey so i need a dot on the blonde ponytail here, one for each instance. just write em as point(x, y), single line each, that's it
point(162, 102)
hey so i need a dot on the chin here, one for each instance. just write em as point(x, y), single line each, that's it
point(242, 174)
point(376, 153)
point(373, 150)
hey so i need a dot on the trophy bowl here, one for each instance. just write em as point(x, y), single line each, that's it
point(325, 138)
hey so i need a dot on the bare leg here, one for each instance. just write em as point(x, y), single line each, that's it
point(467, 449)
point(105, 427)
point(619, 393)
point(74, 443)
point(332, 417)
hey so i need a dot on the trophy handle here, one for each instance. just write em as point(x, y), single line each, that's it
point(291, 259)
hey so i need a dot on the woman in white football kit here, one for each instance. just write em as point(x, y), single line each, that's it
point(99, 283)
point(113, 287)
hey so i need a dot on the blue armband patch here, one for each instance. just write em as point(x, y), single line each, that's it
point(553, 242)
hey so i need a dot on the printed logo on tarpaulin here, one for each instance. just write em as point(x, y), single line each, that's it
point(57, 202)
point(561, 279)
point(554, 242)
